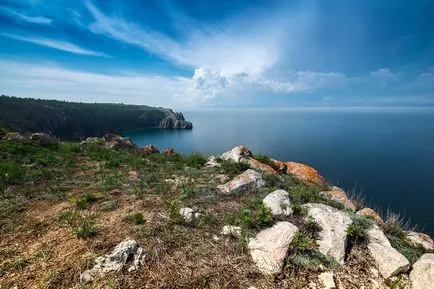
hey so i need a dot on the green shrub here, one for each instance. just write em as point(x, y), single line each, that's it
point(254, 215)
point(136, 218)
point(273, 181)
point(195, 160)
point(299, 210)
point(359, 226)
point(402, 245)
point(188, 192)
point(172, 208)
point(82, 201)
point(11, 172)
point(266, 160)
point(301, 242)
point(312, 260)
point(232, 169)
point(311, 226)
point(82, 225)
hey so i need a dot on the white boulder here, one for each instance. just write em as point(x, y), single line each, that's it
point(233, 231)
point(327, 280)
point(333, 236)
point(187, 213)
point(250, 179)
point(420, 239)
point(388, 260)
point(278, 202)
point(128, 251)
point(270, 246)
point(422, 275)
point(236, 154)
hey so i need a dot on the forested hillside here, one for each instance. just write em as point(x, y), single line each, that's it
point(70, 120)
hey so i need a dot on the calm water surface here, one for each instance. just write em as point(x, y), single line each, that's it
point(388, 154)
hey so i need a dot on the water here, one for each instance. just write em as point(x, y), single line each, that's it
point(388, 154)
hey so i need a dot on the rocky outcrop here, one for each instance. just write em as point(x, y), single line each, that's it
point(248, 180)
point(388, 260)
point(422, 275)
point(371, 214)
point(420, 239)
point(13, 136)
point(278, 202)
point(305, 173)
point(257, 165)
point(169, 152)
point(125, 253)
point(114, 141)
point(338, 195)
point(333, 236)
point(175, 120)
point(150, 149)
point(269, 248)
point(236, 154)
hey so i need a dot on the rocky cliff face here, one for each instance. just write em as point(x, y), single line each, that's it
point(175, 120)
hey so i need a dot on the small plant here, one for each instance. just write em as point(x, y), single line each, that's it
point(359, 226)
point(109, 206)
point(82, 225)
point(273, 181)
point(299, 210)
point(83, 201)
point(254, 215)
point(11, 172)
point(402, 245)
point(49, 279)
point(195, 160)
point(358, 198)
point(188, 192)
point(396, 225)
point(301, 242)
point(45, 253)
point(136, 218)
point(265, 160)
point(311, 226)
point(312, 260)
point(172, 208)
point(232, 169)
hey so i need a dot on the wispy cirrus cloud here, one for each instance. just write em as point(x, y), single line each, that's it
point(55, 44)
point(22, 17)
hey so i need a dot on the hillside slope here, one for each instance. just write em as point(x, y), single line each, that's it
point(71, 120)
point(89, 216)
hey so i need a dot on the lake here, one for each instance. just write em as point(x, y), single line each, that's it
point(388, 154)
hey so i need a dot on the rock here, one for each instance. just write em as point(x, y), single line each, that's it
point(371, 214)
point(150, 149)
point(305, 173)
point(257, 165)
point(125, 252)
point(248, 180)
point(40, 136)
point(278, 202)
point(169, 152)
point(422, 275)
point(388, 260)
point(175, 120)
point(93, 140)
point(186, 213)
point(270, 246)
point(281, 167)
point(338, 195)
point(113, 141)
point(420, 239)
point(133, 175)
point(233, 231)
point(333, 236)
point(236, 154)
point(327, 279)
point(13, 136)
point(212, 162)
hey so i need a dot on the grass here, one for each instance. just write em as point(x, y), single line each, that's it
point(172, 208)
point(81, 224)
point(136, 218)
point(84, 200)
point(359, 226)
point(194, 160)
point(396, 225)
point(253, 215)
point(265, 160)
point(232, 169)
point(188, 192)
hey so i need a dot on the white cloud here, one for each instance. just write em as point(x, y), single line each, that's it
point(55, 44)
point(51, 81)
point(25, 18)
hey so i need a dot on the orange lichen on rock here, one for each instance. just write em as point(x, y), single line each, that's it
point(305, 173)
point(338, 195)
point(169, 152)
point(370, 213)
point(150, 149)
point(280, 166)
point(255, 164)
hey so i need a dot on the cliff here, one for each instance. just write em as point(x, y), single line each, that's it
point(71, 120)
point(105, 213)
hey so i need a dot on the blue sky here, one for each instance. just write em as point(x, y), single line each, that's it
point(220, 54)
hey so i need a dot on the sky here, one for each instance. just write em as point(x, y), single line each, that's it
point(219, 53)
